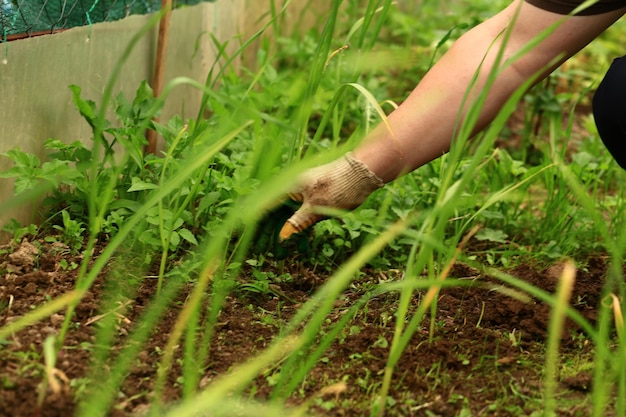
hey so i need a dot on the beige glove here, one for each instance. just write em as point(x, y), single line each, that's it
point(342, 184)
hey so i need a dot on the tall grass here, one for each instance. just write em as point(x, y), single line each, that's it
point(242, 134)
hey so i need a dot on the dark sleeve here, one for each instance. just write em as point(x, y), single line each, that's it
point(567, 6)
point(609, 110)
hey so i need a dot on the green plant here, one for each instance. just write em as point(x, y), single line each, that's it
point(190, 213)
point(18, 231)
point(71, 233)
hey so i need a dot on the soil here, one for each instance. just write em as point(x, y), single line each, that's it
point(484, 355)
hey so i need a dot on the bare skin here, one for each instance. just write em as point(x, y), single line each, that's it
point(423, 126)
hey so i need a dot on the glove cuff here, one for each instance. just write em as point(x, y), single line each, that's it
point(361, 178)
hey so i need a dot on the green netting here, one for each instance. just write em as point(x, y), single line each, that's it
point(22, 18)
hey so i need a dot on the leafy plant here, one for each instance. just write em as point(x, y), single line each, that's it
point(71, 232)
point(190, 210)
point(17, 231)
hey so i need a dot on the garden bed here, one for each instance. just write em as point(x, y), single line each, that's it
point(155, 283)
point(483, 357)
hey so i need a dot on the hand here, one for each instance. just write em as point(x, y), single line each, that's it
point(267, 238)
point(342, 184)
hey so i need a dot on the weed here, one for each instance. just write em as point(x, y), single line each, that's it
point(188, 212)
point(71, 233)
point(18, 231)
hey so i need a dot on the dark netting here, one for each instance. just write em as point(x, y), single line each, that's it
point(23, 18)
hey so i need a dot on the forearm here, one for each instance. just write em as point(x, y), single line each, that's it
point(422, 128)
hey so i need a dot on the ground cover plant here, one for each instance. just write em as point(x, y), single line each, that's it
point(489, 282)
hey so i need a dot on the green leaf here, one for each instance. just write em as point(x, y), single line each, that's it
point(177, 223)
point(149, 238)
point(124, 109)
point(12, 173)
point(188, 236)
point(492, 235)
point(139, 185)
point(451, 193)
point(86, 108)
point(144, 101)
point(208, 201)
point(144, 93)
point(489, 214)
point(60, 171)
point(174, 240)
point(22, 159)
point(55, 144)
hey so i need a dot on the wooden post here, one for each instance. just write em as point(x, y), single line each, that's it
point(159, 66)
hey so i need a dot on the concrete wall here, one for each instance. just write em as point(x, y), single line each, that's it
point(35, 73)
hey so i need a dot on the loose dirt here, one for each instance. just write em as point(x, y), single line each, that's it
point(484, 353)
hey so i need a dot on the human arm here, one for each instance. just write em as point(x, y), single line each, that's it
point(423, 125)
point(422, 128)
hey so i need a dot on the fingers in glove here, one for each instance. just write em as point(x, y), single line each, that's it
point(268, 226)
point(267, 237)
point(300, 221)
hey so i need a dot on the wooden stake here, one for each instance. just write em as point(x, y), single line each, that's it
point(159, 67)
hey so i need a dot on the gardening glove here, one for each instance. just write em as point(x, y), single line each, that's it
point(342, 184)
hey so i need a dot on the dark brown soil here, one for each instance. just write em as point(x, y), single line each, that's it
point(484, 355)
